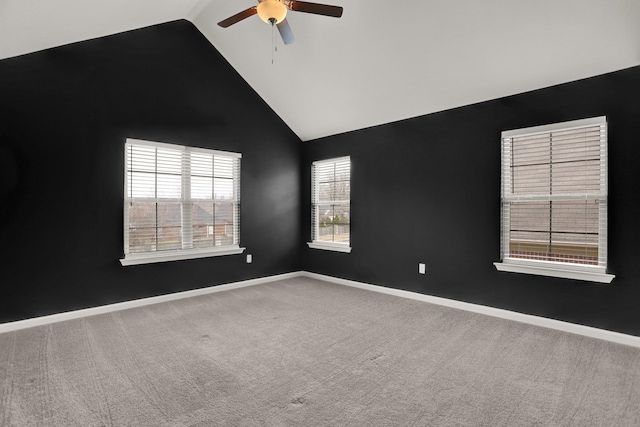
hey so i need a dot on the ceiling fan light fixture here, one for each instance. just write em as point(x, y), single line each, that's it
point(272, 10)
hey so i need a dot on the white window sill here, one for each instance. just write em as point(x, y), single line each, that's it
point(164, 256)
point(330, 246)
point(555, 269)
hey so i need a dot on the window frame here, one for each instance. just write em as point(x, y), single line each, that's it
point(595, 273)
point(186, 202)
point(315, 203)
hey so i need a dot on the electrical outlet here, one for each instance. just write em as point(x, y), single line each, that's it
point(422, 269)
point(249, 258)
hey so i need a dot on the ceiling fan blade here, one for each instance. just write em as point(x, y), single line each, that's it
point(318, 9)
point(238, 17)
point(285, 31)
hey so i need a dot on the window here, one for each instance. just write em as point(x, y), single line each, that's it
point(554, 200)
point(180, 202)
point(331, 204)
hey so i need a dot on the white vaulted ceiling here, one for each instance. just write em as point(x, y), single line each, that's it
point(381, 62)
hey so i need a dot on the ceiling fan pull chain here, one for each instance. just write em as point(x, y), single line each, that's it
point(273, 38)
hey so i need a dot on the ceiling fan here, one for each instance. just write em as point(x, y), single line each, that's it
point(274, 12)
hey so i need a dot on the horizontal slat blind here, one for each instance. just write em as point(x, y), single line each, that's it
point(331, 205)
point(215, 191)
point(180, 197)
point(554, 194)
point(154, 183)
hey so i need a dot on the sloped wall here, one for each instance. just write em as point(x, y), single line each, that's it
point(428, 190)
point(66, 113)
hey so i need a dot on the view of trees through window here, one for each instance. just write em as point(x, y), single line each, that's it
point(158, 226)
point(154, 226)
point(334, 223)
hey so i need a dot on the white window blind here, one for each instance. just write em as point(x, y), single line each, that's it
point(331, 204)
point(554, 195)
point(179, 200)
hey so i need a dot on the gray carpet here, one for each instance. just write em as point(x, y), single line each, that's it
point(301, 352)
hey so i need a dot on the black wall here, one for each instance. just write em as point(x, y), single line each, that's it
point(65, 114)
point(428, 190)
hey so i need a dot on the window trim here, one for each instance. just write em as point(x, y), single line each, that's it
point(321, 244)
point(330, 246)
point(137, 258)
point(178, 255)
point(555, 269)
point(594, 273)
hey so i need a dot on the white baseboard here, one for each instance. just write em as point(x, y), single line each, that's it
point(76, 314)
point(573, 328)
point(603, 334)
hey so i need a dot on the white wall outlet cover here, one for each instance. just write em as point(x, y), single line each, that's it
point(422, 269)
point(249, 258)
